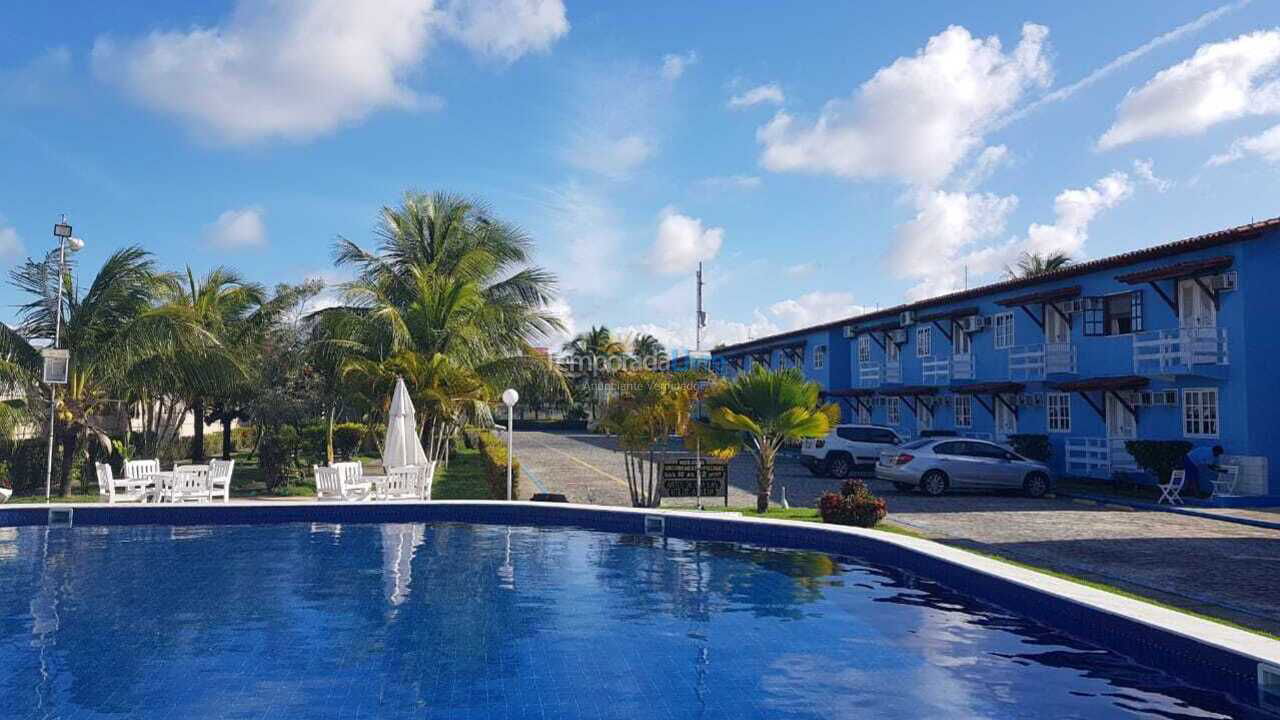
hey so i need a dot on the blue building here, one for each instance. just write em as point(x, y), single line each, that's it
point(1169, 342)
point(692, 360)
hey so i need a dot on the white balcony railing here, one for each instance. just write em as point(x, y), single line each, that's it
point(1034, 362)
point(942, 370)
point(1164, 352)
point(870, 374)
point(893, 372)
point(1097, 457)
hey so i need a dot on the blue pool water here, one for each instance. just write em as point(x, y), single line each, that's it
point(457, 621)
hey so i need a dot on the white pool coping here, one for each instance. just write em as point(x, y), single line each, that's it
point(1241, 642)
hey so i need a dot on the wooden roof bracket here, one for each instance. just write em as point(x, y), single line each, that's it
point(943, 330)
point(1033, 316)
point(1172, 302)
point(998, 397)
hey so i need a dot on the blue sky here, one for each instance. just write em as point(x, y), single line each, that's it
point(822, 160)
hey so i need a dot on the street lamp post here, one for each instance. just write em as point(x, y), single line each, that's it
point(57, 365)
point(509, 398)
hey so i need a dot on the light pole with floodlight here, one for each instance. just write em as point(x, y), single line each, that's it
point(509, 398)
point(57, 362)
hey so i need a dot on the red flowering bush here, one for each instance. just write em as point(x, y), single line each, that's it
point(855, 504)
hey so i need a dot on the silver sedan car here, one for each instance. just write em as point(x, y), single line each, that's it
point(936, 465)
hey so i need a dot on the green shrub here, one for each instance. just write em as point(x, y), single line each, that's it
point(346, 439)
point(854, 505)
point(278, 457)
point(26, 462)
point(243, 438)
point(493, 452)
point(314, 439)
point(1160, 457)
point(1035, 447)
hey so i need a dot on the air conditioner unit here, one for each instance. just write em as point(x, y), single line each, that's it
point(1030, 400)
point(908, 317)
point(971, 324)
point(1144, 398)
point(850, 331)
point(1225, 281)
point(1072, 306)
point(898, 336)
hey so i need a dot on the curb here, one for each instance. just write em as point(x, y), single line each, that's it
point(1118, 504)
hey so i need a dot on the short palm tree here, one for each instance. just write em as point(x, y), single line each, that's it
point(649, 409)
point(648, 349)
point(760, 411)
point(1031, 264)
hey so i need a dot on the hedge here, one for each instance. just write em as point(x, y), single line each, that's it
point(1159, 456)
point(493, 452)
point(1035, 447)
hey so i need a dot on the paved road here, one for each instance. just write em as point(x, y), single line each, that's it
point(1219, 568)
point(589, 469)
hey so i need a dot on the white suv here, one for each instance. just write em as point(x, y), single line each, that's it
point(846, 448)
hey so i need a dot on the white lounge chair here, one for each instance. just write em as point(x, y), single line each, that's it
point(1225, 484)
point(401, 483)
point(331, 485)
point(352, 474)
point(1171, 491)
point(220, 478)
point(116, 491)
point(183, 486)
point(426, 474)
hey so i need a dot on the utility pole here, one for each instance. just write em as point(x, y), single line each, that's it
point(700, 321)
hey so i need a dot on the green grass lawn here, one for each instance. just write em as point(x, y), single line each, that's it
point(463, 479)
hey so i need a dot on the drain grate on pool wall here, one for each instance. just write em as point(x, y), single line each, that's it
point(1269, 687)
point(655, 525)
point(61, 517)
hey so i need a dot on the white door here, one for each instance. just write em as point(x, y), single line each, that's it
point(1006, 421)
point(962, 343)
point(891, 351)
point(925, 419)
point(1121, 423)
point(1195, 306)
point(1056, 329)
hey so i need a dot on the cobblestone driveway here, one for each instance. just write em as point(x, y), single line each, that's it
point(1214, 567)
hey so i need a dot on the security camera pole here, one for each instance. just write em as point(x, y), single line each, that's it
point(53, 375)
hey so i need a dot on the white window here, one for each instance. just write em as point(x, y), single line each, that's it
point(1006, 420)
point(964, 411)
point(819, 357)
point(1004, 330)
point(963, 344)
point(864, 349)
point(891, 351)
point(924, 342)
point(864, 415)
point(1059, 411)
point(1200, 412)
point(893, 413)
point(924, 421)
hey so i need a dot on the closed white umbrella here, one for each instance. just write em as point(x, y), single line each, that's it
point(403, 447)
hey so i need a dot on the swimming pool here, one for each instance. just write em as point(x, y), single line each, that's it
point(454, 620)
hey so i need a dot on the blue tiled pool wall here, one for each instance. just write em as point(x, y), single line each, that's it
point(1189, 659)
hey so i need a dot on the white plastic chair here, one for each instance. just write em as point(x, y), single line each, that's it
point(331, 485)
point(183, 486)
point(1172, 490)
point(352, 475)
point(220, 478)
point(401, 483)
point(117, 490)
point(1225, 484)
point(140, 469)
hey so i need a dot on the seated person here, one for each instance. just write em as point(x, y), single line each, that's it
point(1196, 463)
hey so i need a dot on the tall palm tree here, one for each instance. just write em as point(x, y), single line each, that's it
point(1032, 264)
point(760, 411)
point(648, 349)
point(449, 280)
point(593, 352)
point(222, 310)
point(107, 331)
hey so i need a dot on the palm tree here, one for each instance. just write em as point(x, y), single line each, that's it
point(222, 310)
point(593, 352)
point(106, 330)
point(760, 411)
point(648, 350)
point(650, 407)
point(1032, 264)
point(451, 284)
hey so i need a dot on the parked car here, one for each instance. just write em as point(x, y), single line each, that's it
point(846, 448)
point(938, 433)
point(936, 465)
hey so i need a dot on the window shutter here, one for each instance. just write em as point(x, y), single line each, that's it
point(1136, 305)
point(1094, 316)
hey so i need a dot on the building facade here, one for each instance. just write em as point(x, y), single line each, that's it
point(1169, 342)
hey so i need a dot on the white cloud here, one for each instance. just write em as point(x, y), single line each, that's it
point(673, 66)
point(614, 158)
point(741, 182)
point(813, 308)
point(770, 93)
point(1144, 170)
point(916, 119)
point(297, 69)
point(946, 226)
point(1221, 81)
point(801, 269)
point(1265, 145)
point(11, 247)
point(237, 229)
point(1106, 70)
point(508, 29)
point(984, 166)
point(561, 309)
point(683, 242)
point(589, 241)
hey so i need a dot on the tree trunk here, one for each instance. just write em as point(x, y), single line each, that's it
point(197, 437)
point(227, 446)
point(69, 443)
point(764, 482)
point(328, 438)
